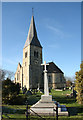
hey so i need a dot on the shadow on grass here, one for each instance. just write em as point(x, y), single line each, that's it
point(74, 110)
point(65, 100)
point(47, 119)
point(9, 110)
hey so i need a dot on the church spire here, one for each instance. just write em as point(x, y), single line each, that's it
point(32, 38)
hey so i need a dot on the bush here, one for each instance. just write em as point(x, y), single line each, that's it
point(10, 91)
point(32, 100)
point(28, 92)
point(18, 100)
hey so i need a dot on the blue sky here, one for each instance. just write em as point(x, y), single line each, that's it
point(58, 27)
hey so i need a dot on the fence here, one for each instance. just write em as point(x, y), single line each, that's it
point(36, 116)
point(28, 116)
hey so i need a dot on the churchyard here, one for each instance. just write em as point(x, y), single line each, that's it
point(18, 111)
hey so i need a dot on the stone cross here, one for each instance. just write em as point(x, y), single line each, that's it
point(46, 89)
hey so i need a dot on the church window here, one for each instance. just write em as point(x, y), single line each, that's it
point(25, 63)
point(15, 80)
point(25, 54)
point(17, 76)
point(35, 54)
point(41, 56)
point(61, 78)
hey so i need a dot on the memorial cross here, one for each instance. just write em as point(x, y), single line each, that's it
point(46, 89)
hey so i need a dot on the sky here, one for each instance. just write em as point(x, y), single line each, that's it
point(58, 26)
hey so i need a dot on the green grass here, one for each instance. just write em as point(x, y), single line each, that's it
point(12, 116)
point(22, 116)
point(61, 97)
point(75, 110)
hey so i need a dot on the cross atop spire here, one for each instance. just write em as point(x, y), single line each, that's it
point(32, 11)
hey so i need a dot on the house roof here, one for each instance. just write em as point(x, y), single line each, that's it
point(52, 68)
point(32, 38)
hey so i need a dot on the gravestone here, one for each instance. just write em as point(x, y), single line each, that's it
point(38, 87)
point(45, 106)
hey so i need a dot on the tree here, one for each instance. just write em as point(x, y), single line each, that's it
point(6, 74)
point(79, 84)
point(2, 74)
point(9, 90)
point(68, 83)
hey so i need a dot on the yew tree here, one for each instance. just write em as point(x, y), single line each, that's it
point(79, 84)
point(9, 91)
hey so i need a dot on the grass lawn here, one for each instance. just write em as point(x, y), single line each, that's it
point(60, 96)
point(18, 111)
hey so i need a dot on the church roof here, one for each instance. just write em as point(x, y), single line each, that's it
point(19, 64)
point(52, 68)
point(18, 67)
point(32, 38)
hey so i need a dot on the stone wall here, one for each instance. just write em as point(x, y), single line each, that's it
point(32, 70)
point(18, 74)
point(26, 63)
point(35, 69)
point(57, 80)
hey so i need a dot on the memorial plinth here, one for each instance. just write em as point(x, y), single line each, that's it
point(45, 106)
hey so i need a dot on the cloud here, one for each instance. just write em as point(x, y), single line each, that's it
point(54, 46)
point(58, 31)
point(54, 29)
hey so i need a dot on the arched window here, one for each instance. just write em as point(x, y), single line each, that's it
point(35, 54)
point(15, 80)
point(18, 75)
point(25, 63)
point(25, 54)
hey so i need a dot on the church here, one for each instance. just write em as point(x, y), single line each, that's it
point(30, 73)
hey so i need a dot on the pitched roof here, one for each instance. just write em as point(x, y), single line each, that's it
point(19, 65)
point(52, 68)
point(32, 38)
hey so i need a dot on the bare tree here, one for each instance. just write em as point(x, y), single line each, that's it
point(6, 74)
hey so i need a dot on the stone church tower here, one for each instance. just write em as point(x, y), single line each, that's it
point(32, 59)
